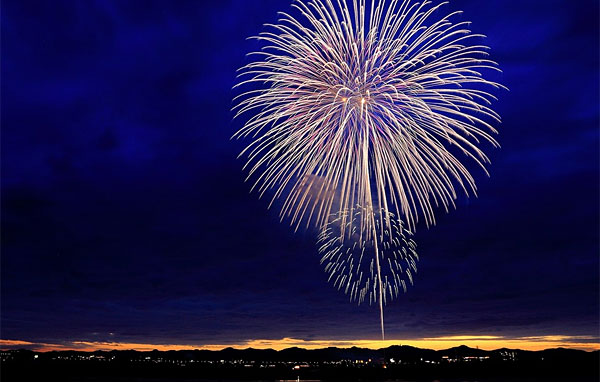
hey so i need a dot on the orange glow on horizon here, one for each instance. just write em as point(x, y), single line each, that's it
point(588, 343)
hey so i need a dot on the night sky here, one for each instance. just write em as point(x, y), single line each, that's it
point(126, 219)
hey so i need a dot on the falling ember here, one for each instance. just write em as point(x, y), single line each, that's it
point(353, 109)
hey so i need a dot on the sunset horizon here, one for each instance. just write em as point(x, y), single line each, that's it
point(530, 343)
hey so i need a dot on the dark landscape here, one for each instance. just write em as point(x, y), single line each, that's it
point(399, 363)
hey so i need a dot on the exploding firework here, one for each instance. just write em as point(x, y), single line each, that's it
point(377, 266)
point(359, 113)
point(350, 263)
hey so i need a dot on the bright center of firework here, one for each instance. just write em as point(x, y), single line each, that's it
point(355, 98)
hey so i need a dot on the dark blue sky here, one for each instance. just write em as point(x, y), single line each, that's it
point(125, 216)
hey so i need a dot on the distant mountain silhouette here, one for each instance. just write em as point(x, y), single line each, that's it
point(400, 352)
point(332, 364)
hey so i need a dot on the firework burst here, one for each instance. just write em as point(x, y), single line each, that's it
point(351, 266)
point(359, 112)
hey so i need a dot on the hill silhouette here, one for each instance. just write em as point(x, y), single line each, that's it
point(332, 363)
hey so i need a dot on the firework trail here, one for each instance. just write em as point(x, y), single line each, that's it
point(350, 263)
point(359, 111)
